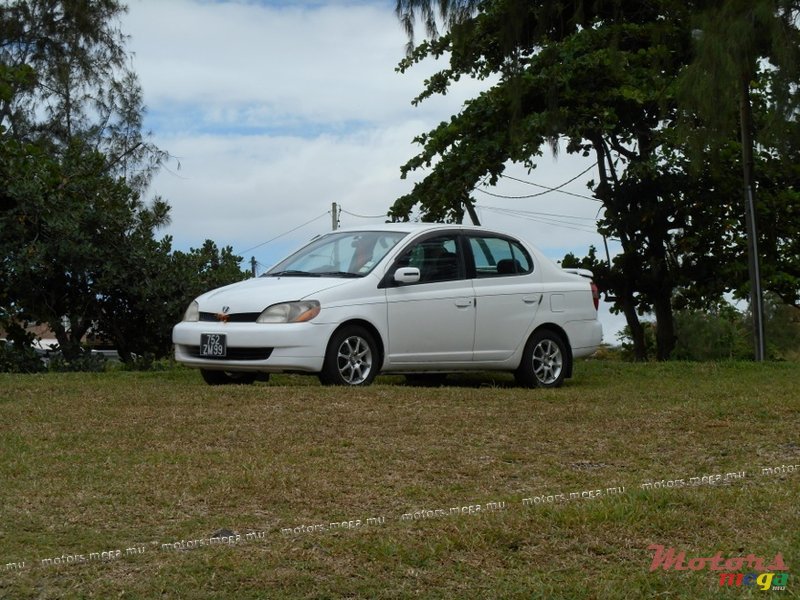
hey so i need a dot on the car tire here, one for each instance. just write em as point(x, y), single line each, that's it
point(544, 361)
point(351, 358)
point(227, 377)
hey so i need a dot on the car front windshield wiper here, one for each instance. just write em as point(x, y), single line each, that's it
point(339, 274)
point(293, 273)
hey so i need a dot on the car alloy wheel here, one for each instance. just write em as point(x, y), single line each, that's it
point(544, 361)
point(548, 362)
point(350, 359)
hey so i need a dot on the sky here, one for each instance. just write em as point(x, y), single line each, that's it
point(275, 110)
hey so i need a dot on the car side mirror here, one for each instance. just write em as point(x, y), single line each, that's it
point(406, 275)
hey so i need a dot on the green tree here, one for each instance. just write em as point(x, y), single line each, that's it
point(149, 287)
point(70, 229)
point(83, 86)
point(597, 76)
point(80, 253)
point(77, 239)
point(601, 77)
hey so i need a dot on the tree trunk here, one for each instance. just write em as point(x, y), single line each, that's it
point(471, 210)
point(665, 327)
point(120, 345)
point(65, 343)
point(635, 326)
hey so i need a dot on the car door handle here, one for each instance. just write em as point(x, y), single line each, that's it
point(464, 302)
point(532, 299)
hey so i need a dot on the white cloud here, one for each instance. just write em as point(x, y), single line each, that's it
point(267, 65)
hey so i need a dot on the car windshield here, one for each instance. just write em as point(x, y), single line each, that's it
point(345, 254)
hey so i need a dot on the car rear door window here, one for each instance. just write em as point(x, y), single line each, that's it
point(499, 257)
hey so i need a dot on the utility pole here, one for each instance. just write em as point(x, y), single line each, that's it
point(253, 265)
point(756, 295)
point(334, 216)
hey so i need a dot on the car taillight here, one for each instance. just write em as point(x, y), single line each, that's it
point(595, 296)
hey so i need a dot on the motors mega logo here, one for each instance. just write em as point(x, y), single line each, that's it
point(763, 577)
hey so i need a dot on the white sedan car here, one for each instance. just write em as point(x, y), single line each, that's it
point(419, 299)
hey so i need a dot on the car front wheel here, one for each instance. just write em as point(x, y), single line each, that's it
point(351, 358)
point(227, 377)
point(544, 361)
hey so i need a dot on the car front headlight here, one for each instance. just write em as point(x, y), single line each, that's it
point(290, 312)
point(193, 312)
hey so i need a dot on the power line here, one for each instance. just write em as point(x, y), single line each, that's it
point(589, 168)
point(327, 212)
point(544, 187)
point(347, 212)
point(537, 213)
point(537, 194)
point(543, 220)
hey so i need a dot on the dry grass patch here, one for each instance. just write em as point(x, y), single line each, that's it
point(93, 463)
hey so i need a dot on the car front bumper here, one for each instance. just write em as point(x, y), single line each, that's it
point(255, 346)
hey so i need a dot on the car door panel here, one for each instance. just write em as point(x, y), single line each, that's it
point(504, 314)
point(507, 295)
point(432, 320)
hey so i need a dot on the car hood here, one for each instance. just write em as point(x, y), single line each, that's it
point(256, 294)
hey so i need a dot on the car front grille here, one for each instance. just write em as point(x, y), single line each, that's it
point(233, 353)
point(232, 318)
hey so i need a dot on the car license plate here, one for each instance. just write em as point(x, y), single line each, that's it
point(213, 344)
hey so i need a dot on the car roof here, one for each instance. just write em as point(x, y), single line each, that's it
point(545, 263)
point(415, 227)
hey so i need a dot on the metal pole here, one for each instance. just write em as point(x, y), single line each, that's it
point(756, 296)
point(253, 265)
point(334, 216)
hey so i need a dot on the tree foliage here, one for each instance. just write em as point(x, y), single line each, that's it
point(731, 39)
point(79, 83)
point(80, 254)
point(78, 247)
point(604, 78)
point(150, 288)
point(65, 233)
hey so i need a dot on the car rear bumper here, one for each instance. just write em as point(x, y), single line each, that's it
point(585, 336)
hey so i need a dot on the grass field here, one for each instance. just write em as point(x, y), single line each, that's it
point(573, 484)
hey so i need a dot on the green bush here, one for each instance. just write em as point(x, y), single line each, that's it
point(19, 359)
point(782, 329)
point(147, 362)
point(701, 336)
point(86, 363)
point(710, 336)
point(726, 333)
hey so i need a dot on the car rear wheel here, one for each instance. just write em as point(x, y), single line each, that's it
point(230, 377)
point(351, 358)
point(544, 361)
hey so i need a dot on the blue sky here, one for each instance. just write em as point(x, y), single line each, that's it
point(276, 109)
